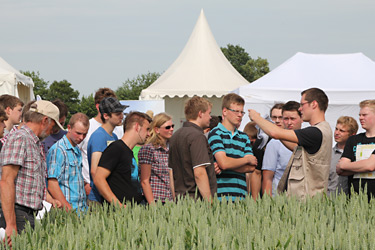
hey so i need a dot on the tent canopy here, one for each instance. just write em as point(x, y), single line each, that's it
point(347, 79)
point(338, 75)
point(201, 69)
point(12, 82)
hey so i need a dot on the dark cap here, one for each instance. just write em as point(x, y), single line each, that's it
point(111, 105)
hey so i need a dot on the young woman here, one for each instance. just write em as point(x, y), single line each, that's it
point(156, 177)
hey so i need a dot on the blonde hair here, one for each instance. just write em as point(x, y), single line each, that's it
point(368, 103)
point(251, 130)
point(350, 123)
point(155, 139)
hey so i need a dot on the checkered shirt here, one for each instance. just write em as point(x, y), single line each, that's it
point(64, 163)
point(23, 148)
point(5, 137)
point(157, 157)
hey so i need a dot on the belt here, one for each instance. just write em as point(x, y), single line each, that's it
point(24, 209)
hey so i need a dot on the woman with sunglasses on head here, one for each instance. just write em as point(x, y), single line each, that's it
point(156, 177)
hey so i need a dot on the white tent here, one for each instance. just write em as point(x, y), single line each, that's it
point(12, 82)
point(201, 69)
point(347, 79)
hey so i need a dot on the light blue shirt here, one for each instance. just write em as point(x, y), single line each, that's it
point(276, 158)
point(64, 162)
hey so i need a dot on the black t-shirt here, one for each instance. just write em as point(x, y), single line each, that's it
point(259, 152)
point(123, 180)
point(352, 142)
point(310, 139)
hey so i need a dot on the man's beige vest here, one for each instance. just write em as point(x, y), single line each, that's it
point(307, 174)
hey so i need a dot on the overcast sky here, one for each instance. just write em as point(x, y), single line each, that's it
point(95, 44)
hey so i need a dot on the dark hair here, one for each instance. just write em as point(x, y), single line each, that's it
point(62, 107)
point(291, 106)
point(10, 101)
point(103, 93)
point(232, 98)
point(278, 105)
point(318, 95)
point(214, 121)
point(3, 115)
point(135, 117)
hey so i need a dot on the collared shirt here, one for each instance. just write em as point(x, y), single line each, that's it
point(188, 149)
point(23, 148)
point(276, 158)
point(64, 163)
point(157, 157)
point(237, 145)
point(335, 181)
point(6, 135)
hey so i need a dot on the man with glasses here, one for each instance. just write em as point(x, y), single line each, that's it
point(232, 150)
point(308, 170)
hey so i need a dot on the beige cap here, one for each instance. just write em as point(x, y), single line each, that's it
point(48, 109)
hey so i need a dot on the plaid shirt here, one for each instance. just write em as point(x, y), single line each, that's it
point(23, 148)
point(157, 157)
point(5, 137)
point(64, 163)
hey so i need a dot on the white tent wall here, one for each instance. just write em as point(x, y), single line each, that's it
point(175, 107)
point(12, 82)
point(347, 79)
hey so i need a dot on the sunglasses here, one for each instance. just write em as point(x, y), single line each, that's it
point(168, 127)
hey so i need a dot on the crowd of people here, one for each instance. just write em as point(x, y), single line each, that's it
point(139, 159)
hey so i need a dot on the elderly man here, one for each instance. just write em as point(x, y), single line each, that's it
point(64, 164)
point(23, 168)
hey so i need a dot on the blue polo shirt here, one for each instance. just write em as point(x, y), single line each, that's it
point(236, 145)
point(64, 163)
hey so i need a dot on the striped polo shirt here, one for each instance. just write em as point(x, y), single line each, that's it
point(236, 145)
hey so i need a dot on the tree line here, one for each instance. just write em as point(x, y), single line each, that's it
point(251, 69)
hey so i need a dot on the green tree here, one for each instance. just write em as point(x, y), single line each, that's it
point(131, 88)
point(40, 85)
point(87, 106)
point(249, 68)
point(64, 91)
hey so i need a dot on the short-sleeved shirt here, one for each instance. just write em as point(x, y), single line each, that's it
point(237, 145)
point(52, 139)
point(335, 181)
point(309, 138)
point(94, 125)
point(23, 148)
point(188, 149)
point(124, 182)
point(350, 152)
point(64, 163)
point(276, 158)
point(157, 157)
point(98, 142)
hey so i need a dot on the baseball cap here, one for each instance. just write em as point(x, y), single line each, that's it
point(111, 105)
point(48, 109)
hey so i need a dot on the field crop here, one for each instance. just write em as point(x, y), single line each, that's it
point(270, 223)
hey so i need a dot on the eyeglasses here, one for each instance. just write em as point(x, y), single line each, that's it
point(168, 127)
point(303, 103)
point(237, 111)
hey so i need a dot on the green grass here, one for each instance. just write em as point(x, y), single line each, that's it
point(279, 223)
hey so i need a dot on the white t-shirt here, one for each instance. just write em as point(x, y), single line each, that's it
point(94, 125)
